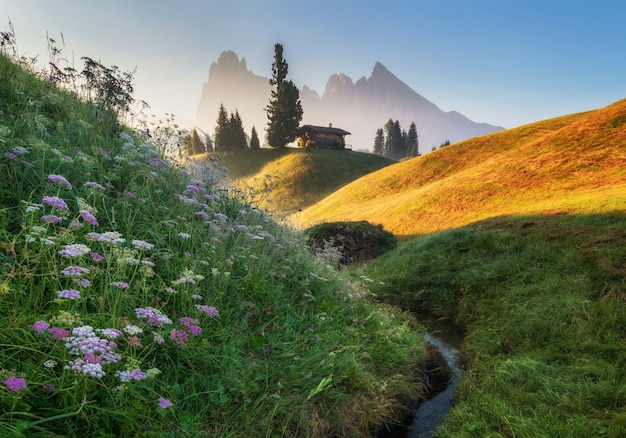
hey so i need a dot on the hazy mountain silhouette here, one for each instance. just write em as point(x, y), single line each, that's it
point(360, 108)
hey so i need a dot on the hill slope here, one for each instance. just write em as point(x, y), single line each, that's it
point(287, 180)
point(573, 163)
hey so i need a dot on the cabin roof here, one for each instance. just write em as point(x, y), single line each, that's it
point(325, 130)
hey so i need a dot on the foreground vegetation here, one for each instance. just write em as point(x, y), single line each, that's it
point(140, 298)
point(542, 301)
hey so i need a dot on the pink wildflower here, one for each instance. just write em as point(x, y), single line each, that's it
point(55, 202)
point(164, 403)
point(88, 217)
point(59, 333)
point(180, 337)
point(209, 310)
point(15, 383)
point(61, 180)
point(40, 326)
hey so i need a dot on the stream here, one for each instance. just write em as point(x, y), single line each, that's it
point(431, 414)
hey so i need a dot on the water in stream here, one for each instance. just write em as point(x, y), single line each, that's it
point(432, 413)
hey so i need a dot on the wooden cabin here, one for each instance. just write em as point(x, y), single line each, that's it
point(322, 137)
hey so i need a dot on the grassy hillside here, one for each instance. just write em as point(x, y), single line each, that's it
point(542, 303)
point(287, 180)
point(138, 299)
point(574, 164)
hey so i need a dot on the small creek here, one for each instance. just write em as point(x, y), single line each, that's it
point(431, 414)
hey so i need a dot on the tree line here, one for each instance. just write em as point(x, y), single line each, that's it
point(394, 142)
point(284, 113)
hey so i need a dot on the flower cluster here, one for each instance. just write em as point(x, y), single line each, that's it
point(154, 316)
point(55, 202)
point(70, 294)
point(74, 271)
point(128, 375)
point(92, 352)
point(61, 180)
point(15, 383)
point(74, 250)
point(209, 310)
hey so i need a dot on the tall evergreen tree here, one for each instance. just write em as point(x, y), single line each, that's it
point(238, 141)
point(389, 132)
point(197, 145)
point(379, 142)
point(254, 139)
point(220, 137)
point(284, 111)
point(412, 142)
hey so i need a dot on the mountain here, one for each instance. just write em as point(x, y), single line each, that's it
point(360, 108)
point(569, 164)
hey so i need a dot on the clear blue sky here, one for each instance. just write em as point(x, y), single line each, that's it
point(505, 62)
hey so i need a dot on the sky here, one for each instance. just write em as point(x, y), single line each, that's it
point(503, 62)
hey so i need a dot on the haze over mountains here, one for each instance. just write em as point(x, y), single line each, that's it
point(359, 107)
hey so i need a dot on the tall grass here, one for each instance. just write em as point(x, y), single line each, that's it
point(139, 298)
point(541, 301)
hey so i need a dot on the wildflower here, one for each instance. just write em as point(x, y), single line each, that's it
point(128, 375)
point(40, 326)
point(131, 195)
point(187, 254)
point(61, 180)
point(186, 321)
point(154, 316)
point(55, 202)
point(83, 282)
point(93, 185)
point(103, 152)
point(132, 329)
point(170, 290)
point(96, 257)
point(88, 217)
point(15, 383)
point(75, 225)
point(19, 150)
point(50, 363)
point(81, 366)
point(158, 338)
point(164, 403)
point(196, 297)
point(184, 235)
point(195, 330)
point(202, 214)
point(152, 372)
point(120, 284)
point(67, 159)
point(242, 228)
point(51, 218)
point(142, 244)
point(221, 216)
point(70, 294)
point(74, 271)
point(109, 236)
point(180, 337)
point(59, 333)
point(74, 250)
point(10, 155)
point(209, 310)
point(49, 387)
point(134, 341)
point(111, 333)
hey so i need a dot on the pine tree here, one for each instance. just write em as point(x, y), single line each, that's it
point(379, 142)
point(220, 137)
point(197, 146)
point(412, 142)
point(254, 139)
point(284, 111)
point(388, 148)
point(237, 136)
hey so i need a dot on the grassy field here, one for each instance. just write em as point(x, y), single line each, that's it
point(542, 302)
point(570, 164)
point(290, 179)
point(137, 298)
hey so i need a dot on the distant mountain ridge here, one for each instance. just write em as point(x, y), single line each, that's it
point(360, 108)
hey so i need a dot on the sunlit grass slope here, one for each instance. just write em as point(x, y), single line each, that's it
point(289, 179)
point(573, 163)
point(138, 299)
